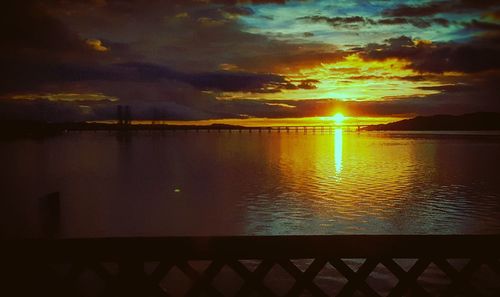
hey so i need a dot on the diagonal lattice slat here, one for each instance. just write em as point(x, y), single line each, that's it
point(459, 279)
point(356, 280)
point(200, 281)
point(156, 276)
point(204, 280)
point(253, 280)
point(407, 280)
point(304, 279)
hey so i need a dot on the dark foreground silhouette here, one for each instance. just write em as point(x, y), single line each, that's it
point(342, 265)
point(467, 122)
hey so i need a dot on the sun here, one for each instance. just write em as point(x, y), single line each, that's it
point(338, 118)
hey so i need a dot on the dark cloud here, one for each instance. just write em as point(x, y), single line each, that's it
point(36, 48)
point(26, 25)
point(39, 49)
point(308, 84)
point(441, 21)
point(453, 88)
point(239, 82)
point(182, 34)
point(350, 21)
point(478, 55)
point(224, 81)
point(482, 26)
point(417, 10)
point(40, 110)
point(416, 22)
point(436, 7)
point(495, 15)
point(238, 10)
point(354, 22)
point(475, 87)
point(247, 1)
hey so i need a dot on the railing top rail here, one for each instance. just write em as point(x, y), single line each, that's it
point(256, 247)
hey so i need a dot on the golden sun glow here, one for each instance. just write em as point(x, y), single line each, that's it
point(338, 118)
point(353, 78)
point(270, 122)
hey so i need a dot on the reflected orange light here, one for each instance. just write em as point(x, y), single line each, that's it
point(353, 159)
point(338, 150)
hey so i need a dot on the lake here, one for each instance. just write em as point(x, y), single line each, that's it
point(187, 183)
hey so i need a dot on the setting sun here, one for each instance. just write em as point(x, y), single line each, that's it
point(338, 118)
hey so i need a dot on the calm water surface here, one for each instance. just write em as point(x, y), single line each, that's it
point(154, 184)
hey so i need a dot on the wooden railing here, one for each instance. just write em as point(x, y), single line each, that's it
point(143, 266)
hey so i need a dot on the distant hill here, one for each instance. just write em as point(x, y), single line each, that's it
point(465, 122)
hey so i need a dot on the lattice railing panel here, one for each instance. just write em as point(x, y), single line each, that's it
point(278, 277)
point(268, 274)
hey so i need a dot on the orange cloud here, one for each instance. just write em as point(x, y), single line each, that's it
point(353, 78)
point(68, 97)
point(96, 45)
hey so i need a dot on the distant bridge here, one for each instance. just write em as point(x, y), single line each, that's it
point(216, 128)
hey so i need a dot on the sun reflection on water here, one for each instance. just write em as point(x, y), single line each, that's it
point(338, 150)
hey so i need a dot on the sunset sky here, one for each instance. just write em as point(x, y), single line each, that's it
point(221, 59)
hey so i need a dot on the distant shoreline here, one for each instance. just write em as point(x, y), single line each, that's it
point(480, 121)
